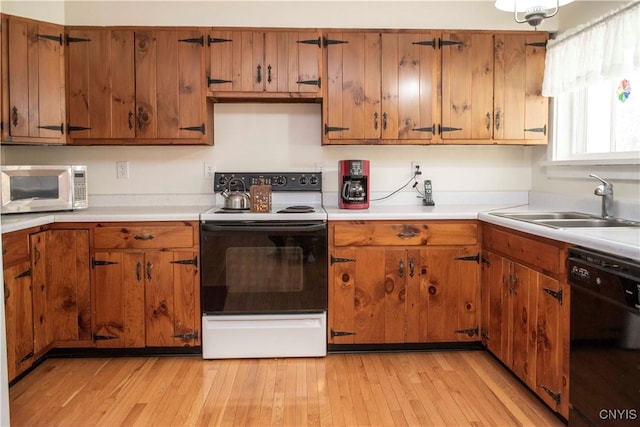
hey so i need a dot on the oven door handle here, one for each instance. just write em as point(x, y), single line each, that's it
point(270, 228)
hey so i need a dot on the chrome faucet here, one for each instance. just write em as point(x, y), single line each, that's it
point(604, 190)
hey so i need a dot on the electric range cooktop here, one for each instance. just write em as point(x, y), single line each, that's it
point(295, 196)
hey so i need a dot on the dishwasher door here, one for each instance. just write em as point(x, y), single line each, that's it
point(604, 381)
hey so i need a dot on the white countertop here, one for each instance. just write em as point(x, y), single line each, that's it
point(624, 242)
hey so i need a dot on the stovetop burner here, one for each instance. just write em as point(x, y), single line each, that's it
point(297, 209)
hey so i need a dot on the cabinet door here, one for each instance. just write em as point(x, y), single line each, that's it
point(524, 311)
point(172, 306)
point(39, 281)
point(521, 112)
point(409, 86)
point(101, 84)
point(495, 294)
point(237, 61)
point(18, 318)
point(549, 341)
point(118, 295)
point(292, 61)
point(447, 297)
point(353, 86)
point(467, 86)
point(36, 81)
point(170, 97)
point(69, 293)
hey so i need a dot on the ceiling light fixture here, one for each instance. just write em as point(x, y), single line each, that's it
point(531, 11)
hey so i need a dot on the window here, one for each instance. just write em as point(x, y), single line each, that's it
point(600, 121)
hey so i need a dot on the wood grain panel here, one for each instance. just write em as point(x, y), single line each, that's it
point(395, 278)
point(146, 84)
point(548, 341)
point(18, 318)
point(417, 296)
point(186, 291)
point(19, 78)
point(405, 234)
point(123, 95)
point(393, 62)
point(167, 83)
point(536, 106)
point(15, 247)
point(143, 237)
point(334, 83)
point(69, 301)
point(341, 309)
point(189, 86)
point(159, 299)
point(39, 279)
point(542, 254)
point(524, 314)
point(369, 296)
point(51, 81)
point(88, 69)
point(221, 51)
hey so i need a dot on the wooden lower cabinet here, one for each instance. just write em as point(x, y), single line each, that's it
point(402, 291)
point(146, 295)
point(525, 315)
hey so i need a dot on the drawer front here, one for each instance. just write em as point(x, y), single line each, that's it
point(405, 233)
point(15, 247)
point(545, 257)
point(143, 237)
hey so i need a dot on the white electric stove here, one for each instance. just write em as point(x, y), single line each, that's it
point(264, 275)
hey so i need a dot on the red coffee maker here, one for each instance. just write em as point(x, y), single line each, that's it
point(353, 177)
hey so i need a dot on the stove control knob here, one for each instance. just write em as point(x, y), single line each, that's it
point(313, 180)
point(279, 181)
point(303, 180)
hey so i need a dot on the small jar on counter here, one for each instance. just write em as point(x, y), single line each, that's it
point(260, 195)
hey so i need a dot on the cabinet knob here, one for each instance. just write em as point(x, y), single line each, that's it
point(345, 278)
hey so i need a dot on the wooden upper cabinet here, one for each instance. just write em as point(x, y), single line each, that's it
point(35, 108)
point(252, 63)
point(381, 88)
point(520, 110)
point(492, 88)
point(101, 84)
point(141, 86)
point(467, 86)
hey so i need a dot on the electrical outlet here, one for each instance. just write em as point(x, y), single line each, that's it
point(416, 168)
point(122, 170)
point(209, 170)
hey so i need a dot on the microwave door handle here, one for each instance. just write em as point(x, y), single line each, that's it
point(269, 228)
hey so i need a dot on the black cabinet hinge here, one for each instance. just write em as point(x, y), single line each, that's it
point(542, 130)
point(59, 128)
point(75, 40)
point(187, 336)
point(448, 42)
point(211, 40)
point(341, 333)
point(317, 41)
point(326, 42)
point(25, 273)
point(431, 129)
point(328, 129)
point(554, 396)
point(97, 337)
point(57, 38)
point(310, 82)
point(471, 331)
point(447, 129)
point(26, 357)
point(200, 128)
point(196, 40)
point(537, 44)
point(97, 262)
point(211, 81)
point(75, 128)
point(556, 294)
point(477, 258)
point(335, 259)
point(431, 43)
point(193, 261)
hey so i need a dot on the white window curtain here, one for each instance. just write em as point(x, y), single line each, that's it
point(602, 49)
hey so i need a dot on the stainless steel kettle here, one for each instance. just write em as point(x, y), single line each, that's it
point(236, 199)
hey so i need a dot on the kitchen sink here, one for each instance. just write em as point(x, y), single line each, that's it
point(568, 219)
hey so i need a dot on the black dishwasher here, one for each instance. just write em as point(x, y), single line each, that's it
point(604, 381)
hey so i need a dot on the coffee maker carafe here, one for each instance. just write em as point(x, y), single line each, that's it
point(354, 184)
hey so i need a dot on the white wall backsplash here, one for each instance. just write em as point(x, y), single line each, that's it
point(282, 137)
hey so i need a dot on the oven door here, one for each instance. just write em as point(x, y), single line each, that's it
point(268, 267)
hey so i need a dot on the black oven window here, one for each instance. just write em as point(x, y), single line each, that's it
point(34, 187)
point(264, 269)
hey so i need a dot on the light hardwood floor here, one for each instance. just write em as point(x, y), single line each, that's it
point(454, 388)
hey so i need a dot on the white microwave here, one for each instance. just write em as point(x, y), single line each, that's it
point(43, 188)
